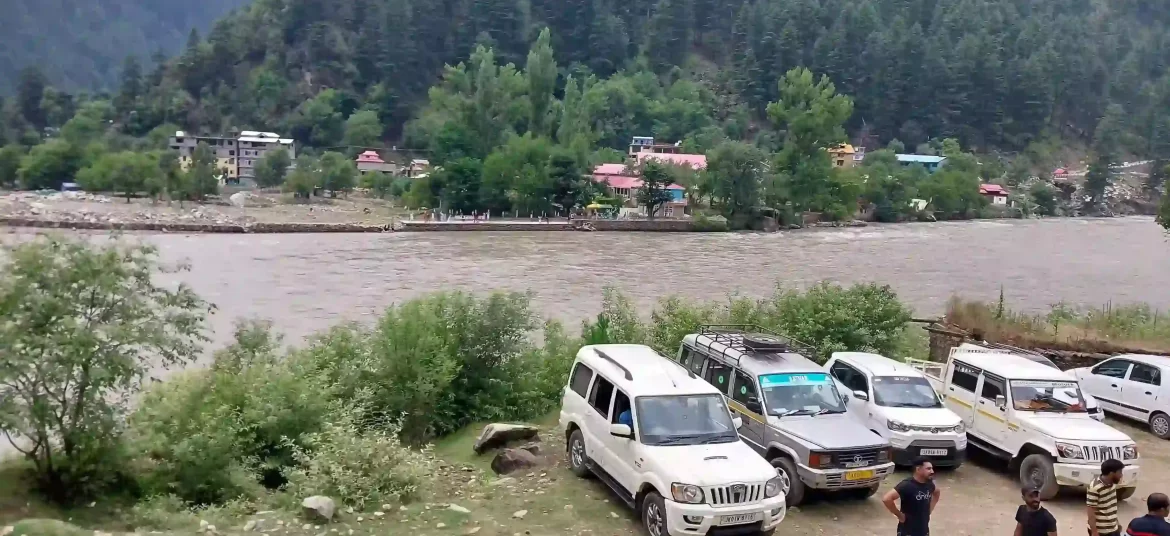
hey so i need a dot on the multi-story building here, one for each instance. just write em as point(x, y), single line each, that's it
point(645, 144)
point(235, 157)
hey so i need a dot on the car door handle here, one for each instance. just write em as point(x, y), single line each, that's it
point(1114, 385)
point(1149, 393)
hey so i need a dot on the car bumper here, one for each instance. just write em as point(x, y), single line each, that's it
point(1081, 475)
point(954, 457)
point(832, 479)
point(770, 512)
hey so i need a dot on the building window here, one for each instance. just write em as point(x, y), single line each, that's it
point(231, 153)
point(840, 163)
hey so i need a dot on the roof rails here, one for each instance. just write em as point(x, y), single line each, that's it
point(605, 356)
point(1005, 348)
point(750, 339)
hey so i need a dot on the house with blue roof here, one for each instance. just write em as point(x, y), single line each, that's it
point(931, 163)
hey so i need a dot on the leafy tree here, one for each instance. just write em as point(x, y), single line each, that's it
point(1044, 196)
point(570, 187)
point(304, 178)
point(318, 121)
point(173, 178)
point(381, 184)
point(461, 180)
point(30, 91)
point(10, 156)
point(656, 181)
point(1097, 179)
point(201, 181)
point(363, 129)
point(338, 173)
point(127, 172)
point(49, 165)
point(734, 175)
point(272, 168)
point(896, 146)
point(541, 73)
point(84, 325)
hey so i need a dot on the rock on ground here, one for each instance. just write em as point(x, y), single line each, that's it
point(497, 435)
point(511, 460)
point(318, 507)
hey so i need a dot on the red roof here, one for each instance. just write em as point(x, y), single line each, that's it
point(1059, 171)
point(625, 182)
point(370, 157)
point(610, 169)
point(992, 189)
point(695, 161)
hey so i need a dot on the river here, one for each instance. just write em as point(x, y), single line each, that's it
point(304, 283)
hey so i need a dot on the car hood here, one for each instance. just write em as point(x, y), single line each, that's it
point(709, 465)
point(922, 416)
point(1075, 427)
point(830, 431)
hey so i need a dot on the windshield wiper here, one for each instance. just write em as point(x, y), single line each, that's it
point(716, 439)
point(675, 440)
point(823, 411)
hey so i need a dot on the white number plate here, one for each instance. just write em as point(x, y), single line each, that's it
point(738, 519)
point(934, 452)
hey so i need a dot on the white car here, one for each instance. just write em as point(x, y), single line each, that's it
point(898, 403)
point(666, 443)
point(1032, 416)
point(1131, 386)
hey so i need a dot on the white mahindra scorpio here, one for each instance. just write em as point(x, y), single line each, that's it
point(666, 443)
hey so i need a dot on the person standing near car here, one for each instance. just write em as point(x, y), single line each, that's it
point(1032, 519)
point(1153, 523)
point(1101, 500)
point(917, 496)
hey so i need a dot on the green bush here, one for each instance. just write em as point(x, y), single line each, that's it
point(863, 317)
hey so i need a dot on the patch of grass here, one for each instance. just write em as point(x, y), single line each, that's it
point(19, 501)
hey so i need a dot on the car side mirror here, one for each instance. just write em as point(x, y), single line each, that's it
point(737, 421)
point(621, 430)
point(753, 405)
point(861, 395)
point(1001, 401)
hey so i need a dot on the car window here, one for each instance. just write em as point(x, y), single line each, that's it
point(744, 388)
point(718, 375)
point(621, 404)
point(1115, 368)
point(579, 382)
point(601, 396)
point(992, 387)
point(851, 377)
point(696, 365)
point(965, 377)
point(684, 356)
point(1146, 374)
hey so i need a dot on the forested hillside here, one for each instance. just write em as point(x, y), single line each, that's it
point(80, 44)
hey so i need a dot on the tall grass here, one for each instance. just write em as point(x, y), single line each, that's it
point(1107, 328)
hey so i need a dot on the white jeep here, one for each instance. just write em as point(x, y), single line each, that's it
point(666, 443)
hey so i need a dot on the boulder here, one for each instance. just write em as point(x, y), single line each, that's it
point(497, 435)
point(511, 460)
point(318, 508)
point(534, 448)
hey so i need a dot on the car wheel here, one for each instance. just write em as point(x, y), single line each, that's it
point(790, 484)
point(578, 459)
point(1036, 471)
point(1160, 425)
point(654, 515)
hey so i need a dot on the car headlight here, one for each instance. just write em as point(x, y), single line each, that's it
point(960, 428)
point(1068, 450)
point(772, 488)
point(897, 426)
point(1130, 452)
point(686, 493)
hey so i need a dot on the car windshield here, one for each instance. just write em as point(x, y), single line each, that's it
point(1047, 395)
point(684, 420)
point(800, 394)
point(904, 392)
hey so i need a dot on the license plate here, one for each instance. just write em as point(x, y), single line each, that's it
point(739, 519)
point(858, 475)
point(934, 452)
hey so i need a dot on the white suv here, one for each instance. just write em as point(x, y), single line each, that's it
point(666, 443)
point(898, 403)
point(1132, 386)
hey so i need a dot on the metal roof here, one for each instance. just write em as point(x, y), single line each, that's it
point(920, 158)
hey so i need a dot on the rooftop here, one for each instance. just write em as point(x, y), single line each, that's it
point(753, 362)
point(877, 364)
point(610, 169)
point(920, 158)
point(650, 373)
point(992, 189)
point(626, 182)
point(843, 148)
point(1007, 364)
point(694, 161)
point(370, 157)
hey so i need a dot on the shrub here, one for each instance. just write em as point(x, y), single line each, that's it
point(357, 466)
point(863, 317)
point(83, 325)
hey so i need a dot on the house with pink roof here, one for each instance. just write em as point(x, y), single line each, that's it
point(995, 193)
point(621, 183)
point(370, 161)
point(697, 162)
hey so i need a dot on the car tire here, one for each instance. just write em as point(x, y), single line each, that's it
point(654, 515)
point(1160, 425)
point(789, 476)
point(1037, 471)
point(578, 458)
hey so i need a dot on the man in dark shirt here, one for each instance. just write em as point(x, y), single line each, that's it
point(1032, 519)
point(1154, 523)
point(917, 496)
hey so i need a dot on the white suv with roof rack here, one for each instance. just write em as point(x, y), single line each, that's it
point(1031, 415)
point(665, 442)
point(898, 403)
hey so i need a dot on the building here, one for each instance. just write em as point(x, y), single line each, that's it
point(697, 162)
point(418, 168)
point(223, 147)
point(370, 161)
point(254, 145)
point(994, 193)
point(235, 157)
point(615, 177)
point(858, 155)
point(645, 144)
point(1060, 174)
point(842, 155)
point(931, 163)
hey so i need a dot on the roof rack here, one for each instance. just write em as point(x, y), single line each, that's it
point(1005, 347)
point(750, 339)
point(605, 356)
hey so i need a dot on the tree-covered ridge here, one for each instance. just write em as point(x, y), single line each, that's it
point(992, 73)
point(80, 44)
